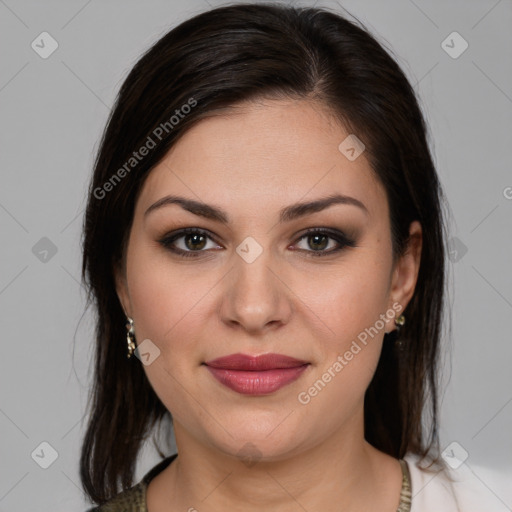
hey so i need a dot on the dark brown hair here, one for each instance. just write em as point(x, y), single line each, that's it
point(215, 60)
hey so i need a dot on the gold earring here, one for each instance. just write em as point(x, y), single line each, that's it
point(130, 335)
point(400, 321)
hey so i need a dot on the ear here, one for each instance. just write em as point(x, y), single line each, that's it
point(122, 288)
point(405, 273)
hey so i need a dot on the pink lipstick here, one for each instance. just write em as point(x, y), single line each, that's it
point(256, 375)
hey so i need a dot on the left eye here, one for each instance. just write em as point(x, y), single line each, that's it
point(318, 241)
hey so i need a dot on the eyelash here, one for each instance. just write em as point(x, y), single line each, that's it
point(337, 236)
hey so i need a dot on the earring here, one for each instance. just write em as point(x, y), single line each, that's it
point(399, 322)
point(393, 336)
point(130, 337)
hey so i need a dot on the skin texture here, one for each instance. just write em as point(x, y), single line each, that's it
point(252, 161)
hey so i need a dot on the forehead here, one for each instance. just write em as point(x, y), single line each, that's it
point(270, 152)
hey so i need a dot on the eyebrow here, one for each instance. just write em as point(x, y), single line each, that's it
point(287, 214)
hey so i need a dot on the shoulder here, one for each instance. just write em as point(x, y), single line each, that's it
point(469, 488)
point(130, 500)
point(134, 498)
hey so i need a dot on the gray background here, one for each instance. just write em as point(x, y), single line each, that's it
point(52, 114)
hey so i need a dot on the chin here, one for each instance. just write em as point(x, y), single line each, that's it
point(252, 442)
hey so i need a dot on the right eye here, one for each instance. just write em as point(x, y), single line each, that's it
point(193, 241)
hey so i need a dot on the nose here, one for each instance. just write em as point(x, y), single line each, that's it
point(255, 297)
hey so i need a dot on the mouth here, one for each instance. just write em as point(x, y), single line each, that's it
point(256, 375)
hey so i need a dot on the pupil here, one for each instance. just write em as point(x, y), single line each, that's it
point(315, 239)
point(196, 240)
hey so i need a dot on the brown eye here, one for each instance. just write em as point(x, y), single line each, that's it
point(194, 241)
point(319, 240)
point(188, 242)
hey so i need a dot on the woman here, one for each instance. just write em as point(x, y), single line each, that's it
point(264, 244)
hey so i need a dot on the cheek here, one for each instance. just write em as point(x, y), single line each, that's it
point(351, 306)
point(164, 296)
point(348, 299)
point(350, 302)
point(167, 305)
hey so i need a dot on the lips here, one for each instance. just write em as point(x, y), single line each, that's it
point(256, 375)
point(263, 362)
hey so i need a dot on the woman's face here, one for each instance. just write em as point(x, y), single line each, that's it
point(250, 280)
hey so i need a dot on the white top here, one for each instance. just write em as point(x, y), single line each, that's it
point(473, 489)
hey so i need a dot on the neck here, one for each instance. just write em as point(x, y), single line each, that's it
point(342, 473)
